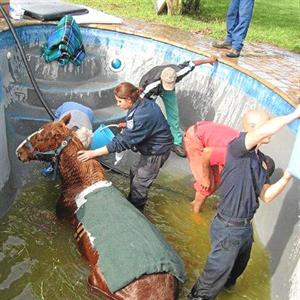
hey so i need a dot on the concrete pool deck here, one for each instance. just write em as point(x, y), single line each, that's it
point(277, 68)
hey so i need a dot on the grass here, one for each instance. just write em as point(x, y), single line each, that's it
point(274, 22)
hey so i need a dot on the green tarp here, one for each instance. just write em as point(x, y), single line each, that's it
point(129, 245)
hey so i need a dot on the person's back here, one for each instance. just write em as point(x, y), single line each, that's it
point(206, 145)
point(151, 81)
point(154, 127)
point(216, 136)
point(248, 169)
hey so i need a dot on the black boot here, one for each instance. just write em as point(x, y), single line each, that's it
point(233, 53)
point(179, 150)
point(191, 297)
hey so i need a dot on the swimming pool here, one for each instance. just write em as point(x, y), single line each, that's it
point(220, 93)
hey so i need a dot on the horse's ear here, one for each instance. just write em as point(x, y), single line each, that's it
point(66, 119)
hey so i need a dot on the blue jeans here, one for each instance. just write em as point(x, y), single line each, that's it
point(230, 253)
point(238, 20)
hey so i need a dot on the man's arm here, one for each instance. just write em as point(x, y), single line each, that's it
point(210, 60)
point(205, 168)
point(269, 128)
point(211, 156)
point(188, 66)
point(270, 192)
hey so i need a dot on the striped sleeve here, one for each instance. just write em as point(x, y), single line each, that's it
point(150, 89)
point(185, 69)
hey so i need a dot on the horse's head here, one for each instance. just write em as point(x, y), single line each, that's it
point(47, 142)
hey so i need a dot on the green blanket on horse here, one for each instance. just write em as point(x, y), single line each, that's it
point(129, 245)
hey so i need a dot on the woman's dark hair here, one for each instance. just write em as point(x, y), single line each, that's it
point(127, 90)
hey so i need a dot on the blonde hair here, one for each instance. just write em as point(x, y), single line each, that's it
point(85, 136)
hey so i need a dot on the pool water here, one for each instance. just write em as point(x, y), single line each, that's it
point(39, 258)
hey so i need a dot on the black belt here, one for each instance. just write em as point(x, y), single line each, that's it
point(242, 222)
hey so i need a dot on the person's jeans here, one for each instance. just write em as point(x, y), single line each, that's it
point(230, 253)
point(238, 20)
point(170, 101)
point(142, 175)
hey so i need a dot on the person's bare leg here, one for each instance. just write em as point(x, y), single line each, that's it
point(198, 202)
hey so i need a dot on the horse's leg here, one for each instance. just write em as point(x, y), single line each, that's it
point(62, 210)
point(161, 286)
point(85, 246)
point(98, 284)
point(96, 279)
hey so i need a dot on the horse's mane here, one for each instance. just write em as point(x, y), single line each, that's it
point(76, 175)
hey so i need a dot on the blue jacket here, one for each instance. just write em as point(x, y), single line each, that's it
point(147, 130)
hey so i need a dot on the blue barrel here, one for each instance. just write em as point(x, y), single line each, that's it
point(101, 137)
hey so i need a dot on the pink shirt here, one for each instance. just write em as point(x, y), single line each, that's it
point(215, 136)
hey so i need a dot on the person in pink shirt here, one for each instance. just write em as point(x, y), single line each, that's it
point(206, 144)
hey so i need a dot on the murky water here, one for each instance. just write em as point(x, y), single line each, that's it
point(39, 259)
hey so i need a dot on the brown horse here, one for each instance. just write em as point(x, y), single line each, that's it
point(56, 137)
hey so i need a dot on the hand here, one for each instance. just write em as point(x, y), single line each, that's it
point(122, 125)
point(84, 155)
point(211, 60)
point(205, 183)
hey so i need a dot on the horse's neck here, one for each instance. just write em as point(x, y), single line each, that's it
point(77, 175)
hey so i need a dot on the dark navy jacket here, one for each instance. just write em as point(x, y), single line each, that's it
point(151, 82)
point(243, 176)
point(147, 130)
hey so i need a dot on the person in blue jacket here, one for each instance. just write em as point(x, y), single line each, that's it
point(146, 131)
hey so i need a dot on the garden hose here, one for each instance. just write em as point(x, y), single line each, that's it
point(27, 66)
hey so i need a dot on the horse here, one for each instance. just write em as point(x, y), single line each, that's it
point(54, 141)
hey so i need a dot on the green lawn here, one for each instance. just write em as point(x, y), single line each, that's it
point(275, 22)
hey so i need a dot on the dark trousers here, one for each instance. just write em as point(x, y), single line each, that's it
point(142, 175)
point(231, 248)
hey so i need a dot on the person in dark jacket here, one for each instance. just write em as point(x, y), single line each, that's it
point(160, 81)
point(147, 132)
point(244, 181)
